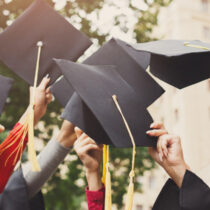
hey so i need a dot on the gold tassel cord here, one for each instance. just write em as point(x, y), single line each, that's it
point(108, 189)
point(187, 44)
point(31, 149)
point(104, 164)
point(130, 193)
point(21, 131)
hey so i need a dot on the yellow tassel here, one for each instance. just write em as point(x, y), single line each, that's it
point(130, 194)
point(108, 189)
point(31, 148)
point(187, 44)
point(30, 117)
point(104, 164)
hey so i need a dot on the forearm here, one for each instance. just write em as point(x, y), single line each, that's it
point(23, 117)
point(95, 192)
point(94, 180)
point(177, 173)
point(49, 159)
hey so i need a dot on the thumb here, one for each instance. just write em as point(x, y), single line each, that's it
point(78, 132)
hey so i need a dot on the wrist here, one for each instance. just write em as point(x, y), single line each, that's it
point(66, 139)
point(94, 179)
point(177, 173)
point(37, 116)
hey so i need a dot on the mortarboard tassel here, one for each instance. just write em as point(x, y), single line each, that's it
point(15, 141)
point(104, 164)
point(130, 194)
point(30, 118)
point(108, 187)
point(187, 44)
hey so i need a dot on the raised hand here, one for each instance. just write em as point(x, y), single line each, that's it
point(169, 153)
point(43, 97)
point(91, 155)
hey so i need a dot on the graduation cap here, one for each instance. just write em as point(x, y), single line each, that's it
point(5, 85)
point(96, 85)
point(40, 23)
point(178, 62)
point(130, 64)
point(114, 104)
point(62, 91)
point(28, 46)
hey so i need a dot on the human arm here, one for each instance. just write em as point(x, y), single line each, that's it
point(91, 154)
point(168, 153)
point(15, 143)
point(185, 191)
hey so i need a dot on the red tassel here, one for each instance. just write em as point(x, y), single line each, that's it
point(10, 153)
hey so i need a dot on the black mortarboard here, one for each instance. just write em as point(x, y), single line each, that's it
point(96, 85)
point(62, 91)
point(130, 64)
point(178, 62)
point(40, 23)
point(5, 85)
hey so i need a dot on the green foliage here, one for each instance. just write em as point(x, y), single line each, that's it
point(63, 191)
point(121, 166)
point(148, 19)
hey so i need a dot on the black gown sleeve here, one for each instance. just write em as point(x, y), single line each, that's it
point(15, 195)
point(168, 199)
point(194, 193)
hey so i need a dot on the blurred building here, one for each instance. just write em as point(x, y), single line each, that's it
point(184, 112)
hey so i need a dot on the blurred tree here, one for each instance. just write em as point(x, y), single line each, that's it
point(65, 190)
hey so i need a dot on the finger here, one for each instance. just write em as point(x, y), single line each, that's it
point(86, 141)
point(49, 98)
point(2, 128)
point(43, 85)
point(79, 139)
point(157, 125)
point(156, 132)
point(159, 149)
point(88, 148)
point(48, 90)
point(164, 143)
point(78, 132)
